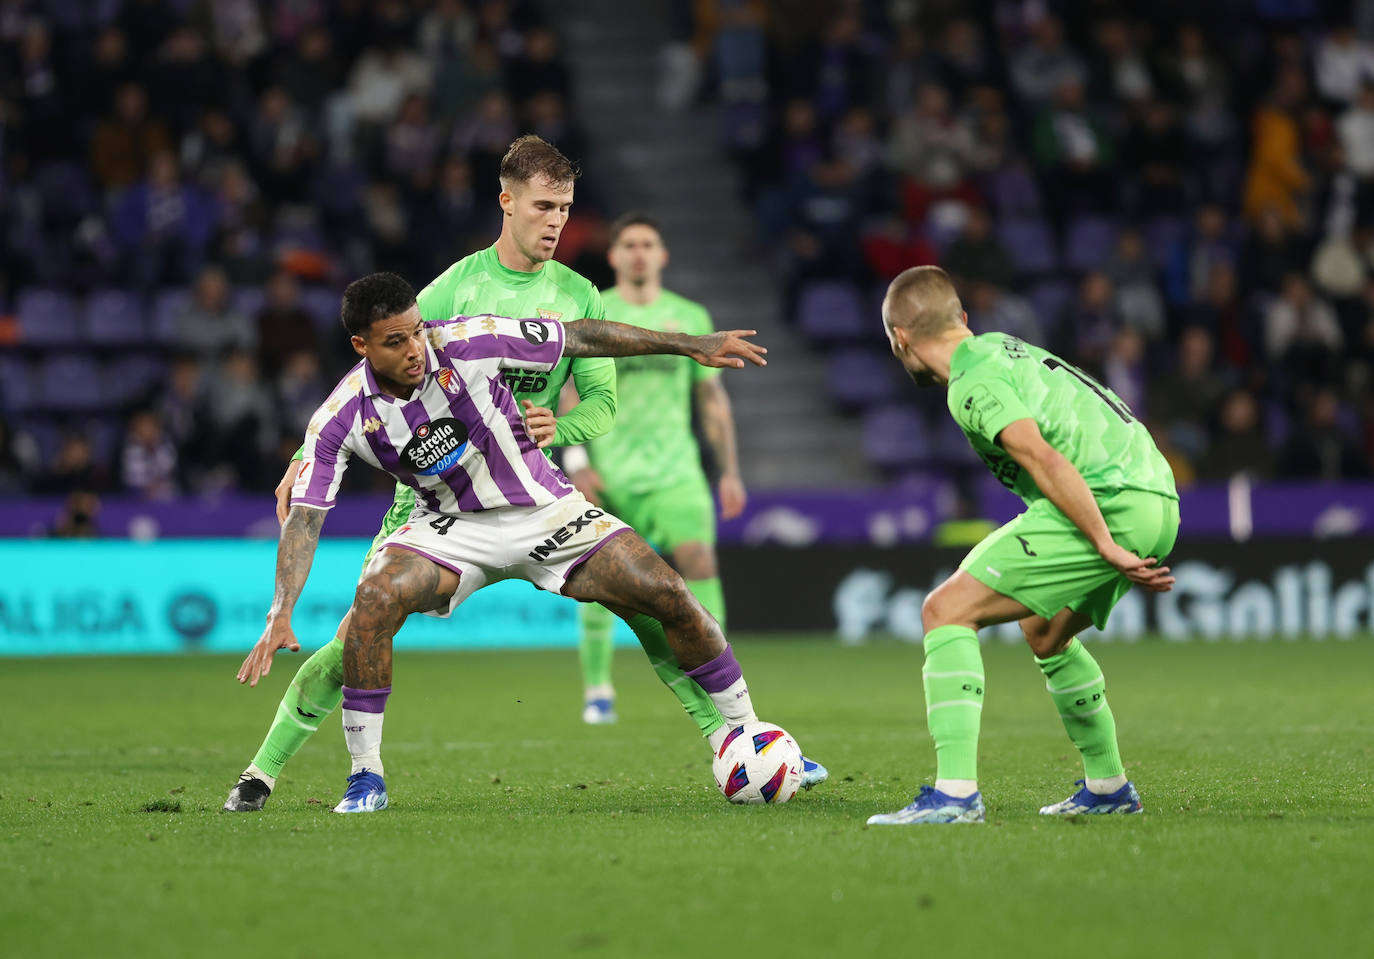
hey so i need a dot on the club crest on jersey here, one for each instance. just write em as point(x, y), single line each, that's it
point(435, 446)
point(371, 424)
point(448, 380)
point(545, 314)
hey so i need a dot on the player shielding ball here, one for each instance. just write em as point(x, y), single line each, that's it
point(429, 405)
point(1101, 515)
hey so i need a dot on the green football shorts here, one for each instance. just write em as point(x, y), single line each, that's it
point(668, 517)
point(1045, 562)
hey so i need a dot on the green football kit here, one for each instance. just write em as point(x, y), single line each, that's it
point(650, 464)
point(475, 285)
point(1041, 558)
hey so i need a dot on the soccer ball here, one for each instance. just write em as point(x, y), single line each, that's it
point(758, 763)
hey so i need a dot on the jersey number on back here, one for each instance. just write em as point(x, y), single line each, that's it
point(1114, 403)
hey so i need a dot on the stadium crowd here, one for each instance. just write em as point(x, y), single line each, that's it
point(1178, 196)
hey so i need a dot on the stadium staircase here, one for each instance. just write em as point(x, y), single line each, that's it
point(669, 164)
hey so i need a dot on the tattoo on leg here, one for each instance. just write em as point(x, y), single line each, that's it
point(405, 583)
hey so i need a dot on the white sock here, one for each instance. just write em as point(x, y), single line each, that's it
point(604, 691)
point(256, 773)
point(1104, 787)
point(958, 788)
point(363, 736)
point(718, 737)
point(735, 706)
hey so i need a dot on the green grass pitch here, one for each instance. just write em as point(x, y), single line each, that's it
point(515, 830)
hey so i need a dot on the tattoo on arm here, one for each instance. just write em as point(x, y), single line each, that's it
point(606, 338)
point(300, 535)
point(718, 423)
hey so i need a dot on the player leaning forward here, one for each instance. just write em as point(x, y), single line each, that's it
point(428, 404)
point(1101, 513)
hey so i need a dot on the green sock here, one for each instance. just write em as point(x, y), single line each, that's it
point(315, 691)
point(684, 687)
point(710, 594)
point(596, 648)
point(953, 679)
point(1075, 683)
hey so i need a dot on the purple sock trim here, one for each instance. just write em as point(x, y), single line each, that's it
point(719, 674)
point(366, 700)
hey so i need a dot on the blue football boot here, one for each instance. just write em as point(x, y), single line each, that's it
point(933, 806)
point(366, 792)
point(1086, 802)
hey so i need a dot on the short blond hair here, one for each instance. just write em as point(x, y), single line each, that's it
point(922, 301)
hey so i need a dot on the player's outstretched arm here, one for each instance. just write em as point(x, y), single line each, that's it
point(1066, 489)
point(300, 535)
point(726, 348)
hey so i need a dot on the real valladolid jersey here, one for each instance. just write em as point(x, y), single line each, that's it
point(996, 379)
point(458, 440)
point(651, 445)
point(478, 283)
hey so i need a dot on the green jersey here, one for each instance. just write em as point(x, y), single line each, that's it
point(652, 445)
point(996, 379)
point(479, 284)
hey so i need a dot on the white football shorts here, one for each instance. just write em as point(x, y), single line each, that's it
point(542, 544)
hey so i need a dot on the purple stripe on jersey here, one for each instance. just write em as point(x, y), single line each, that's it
point(719, 674)
point(540, 466)
point(365, 700)
point(502, 473)
point(416, 416)
point(323, 453)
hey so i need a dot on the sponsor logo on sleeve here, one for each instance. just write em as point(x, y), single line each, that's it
point(534, 331)
point(980, 406)
point(435, 446)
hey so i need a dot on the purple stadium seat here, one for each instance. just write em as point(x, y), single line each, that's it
point(322, 303)
point(16, 385)
point(859, 378)
point(115, 318)
point(1014, 193)
point(166, 305)
point(832, 310)
point(896, 437)
point(1088, 242)
point(70, 381)
point(47, 318)
point(132, 378)
point(1030, 243)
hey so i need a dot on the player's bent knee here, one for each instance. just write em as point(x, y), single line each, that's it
point(376, 597)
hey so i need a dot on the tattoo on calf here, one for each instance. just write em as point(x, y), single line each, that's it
point(402, 584)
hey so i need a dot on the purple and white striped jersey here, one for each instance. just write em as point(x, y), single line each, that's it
point(459, 440)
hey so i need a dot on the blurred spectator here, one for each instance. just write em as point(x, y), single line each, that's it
point(447, 32)
point(1272, 251)
point(1343, 62)
point(1043, 67)
point(1355, 128)
point(992, 308)
point(1277, 180)
point(1239, 444)
point(77, 517)
point(208, 326)
point(284, 327)
point(448, 222)
point(125, 142)
point(164, 226)
point(1301, 333)
point(463, 81)
point(1123, 369)
point(546, 115)
point(74, 469)
point(211, 146)
point(963, 60)
point(1190, 261)
point(300, 390)
point(1090, 322)
point(185, 79)
point(109, 70)
point(1236, 331)
point(827, 207)
point(1181, 403)
point(1320, 447)
point(382, 77)
point(1160, 153)
point(539, 68)
point(856, 141)
point(148, 461)
point(1075, 152)
point(412, 143)
point(181, 409)
point(1118, 67)
point(40, 94)
point(242, 420)
point(1137, 294)
point(976, 255)
point(932, 148)
point(309, 71)
point(891, 246)
point(282, 147)
point(18, 459)
point(484, 136)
